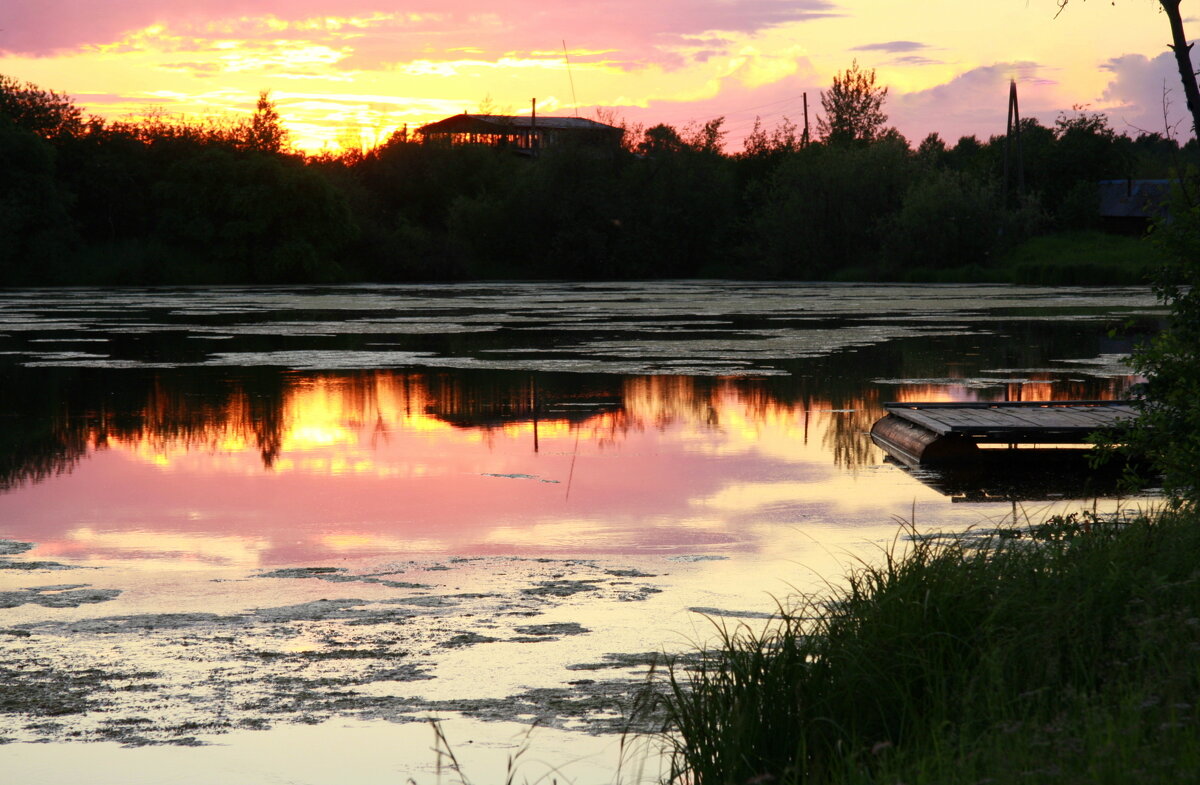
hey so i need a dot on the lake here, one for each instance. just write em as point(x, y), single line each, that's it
point(240, 527)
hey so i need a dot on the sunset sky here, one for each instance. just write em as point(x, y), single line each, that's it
point(358, 69)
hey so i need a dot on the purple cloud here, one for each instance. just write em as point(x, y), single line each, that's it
point(975, 102)
point(195, 68)
point(1137, 93)
point(894, 47)
point(917, 60)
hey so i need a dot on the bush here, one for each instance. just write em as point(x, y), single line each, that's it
point(266, 216)
point(1167, 429)
point(36, 235)
point(826, 207)
point(947, 219)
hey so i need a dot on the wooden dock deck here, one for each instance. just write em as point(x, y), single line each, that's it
point(926, 432)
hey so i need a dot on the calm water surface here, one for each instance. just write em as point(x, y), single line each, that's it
point(711, 434)
point(267, 427)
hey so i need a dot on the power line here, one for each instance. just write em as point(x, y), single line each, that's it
point(567, 57)
point(769, 103)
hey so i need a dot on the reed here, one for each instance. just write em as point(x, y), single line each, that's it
point(1065, 652)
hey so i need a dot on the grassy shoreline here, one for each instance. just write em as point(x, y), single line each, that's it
point(1069, 652)
point(1071, 258)
point(1076, 258)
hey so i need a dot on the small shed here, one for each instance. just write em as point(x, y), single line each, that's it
point(526, 134)
point(1129, 206)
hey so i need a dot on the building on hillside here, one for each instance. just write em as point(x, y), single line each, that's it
point(523, 134)
point(1129, 206)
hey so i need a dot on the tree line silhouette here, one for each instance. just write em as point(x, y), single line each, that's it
point(164, 199)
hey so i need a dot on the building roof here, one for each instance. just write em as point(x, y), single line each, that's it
point(506, 124)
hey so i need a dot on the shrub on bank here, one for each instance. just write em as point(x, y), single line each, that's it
point(950, 219)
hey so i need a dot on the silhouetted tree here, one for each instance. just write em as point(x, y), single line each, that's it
point(1168, 428)
point(266, 132)
point(782, 139)
point(46, 113)
point(266, 219)
point(1155, 155)
point(826, 206)
point(932, 152)
point(853, 107)
point(35, 226)
point(164, 199)
point(948, 219)
point(1086, 150)
point(680, 210)
point(707, 138)
point(660, 139)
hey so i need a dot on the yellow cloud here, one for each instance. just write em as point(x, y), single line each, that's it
point(279, 54)
point(755, 68)
point(461, 67)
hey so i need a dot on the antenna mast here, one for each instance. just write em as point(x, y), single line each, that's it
point(1013, 134)
point(567, 57)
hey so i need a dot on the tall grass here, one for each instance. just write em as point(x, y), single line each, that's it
point(1068, 652)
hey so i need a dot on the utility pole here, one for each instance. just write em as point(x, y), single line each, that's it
point(804, 138)
point(534, 147)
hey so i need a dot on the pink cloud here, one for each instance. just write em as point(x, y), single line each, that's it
point(43, 27)
point(1137, 93)
point(975, 102)
point(740, 105)
point(893, 47)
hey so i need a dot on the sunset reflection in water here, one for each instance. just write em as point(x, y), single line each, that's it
point(372, 463)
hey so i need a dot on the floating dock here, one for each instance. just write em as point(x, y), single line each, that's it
point(918, 433)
